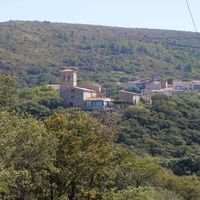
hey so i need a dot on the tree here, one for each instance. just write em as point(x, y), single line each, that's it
point(39, 101)
point(27, 153)
point(186, 186)
point(142, 193)
point(186, 166)
point(137, 172)
point(7, 90)
point(84, 156)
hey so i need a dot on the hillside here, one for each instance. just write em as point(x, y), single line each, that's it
point(36, 51)
point(145, 152)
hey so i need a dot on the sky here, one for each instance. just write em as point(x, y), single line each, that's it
point(157, 14)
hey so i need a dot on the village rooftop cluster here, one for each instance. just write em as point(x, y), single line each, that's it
point(92, 96)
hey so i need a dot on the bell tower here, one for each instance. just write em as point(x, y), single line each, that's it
point(68, 78)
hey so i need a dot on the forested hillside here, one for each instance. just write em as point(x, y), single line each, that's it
point(36, 51)
point(146, 152)
point(140, 152)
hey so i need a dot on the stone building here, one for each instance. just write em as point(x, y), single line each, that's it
point(132, 98)
point(86, 96)
point(153, 83)
point(156, 85)
point(140, 84)
point(183, 85)
point(196, 85)
point(186, 85)
point(129, 97)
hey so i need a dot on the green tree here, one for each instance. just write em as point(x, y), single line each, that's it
point(84, 157)
point(27, 153)
point(142, 193)
point(7, 90)
point(39, 102)
point(137, 172)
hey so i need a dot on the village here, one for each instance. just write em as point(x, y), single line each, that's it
point(92, 96)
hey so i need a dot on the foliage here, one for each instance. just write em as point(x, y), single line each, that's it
point(169, 127)
point(84, 156)
point(36, 51)
point(26, 153)
point(7, 90)
point(186, 166)
point(137, 172)
point(38, 102)
point(70, 155)
point(142, 193)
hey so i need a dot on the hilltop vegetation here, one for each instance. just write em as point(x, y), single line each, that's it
point(36, 51)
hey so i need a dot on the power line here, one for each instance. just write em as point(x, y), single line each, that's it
point(191, 15)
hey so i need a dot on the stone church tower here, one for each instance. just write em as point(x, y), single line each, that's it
point(85, 96)
point(68, 79)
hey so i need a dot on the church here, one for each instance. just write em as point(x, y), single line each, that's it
point(88, 96)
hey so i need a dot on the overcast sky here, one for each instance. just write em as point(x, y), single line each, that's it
point(159, 14)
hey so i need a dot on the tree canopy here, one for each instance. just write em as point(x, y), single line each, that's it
point(145, 152)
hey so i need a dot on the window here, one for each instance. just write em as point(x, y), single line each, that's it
point(97, 104)
point(72, 97)
point(67, 78)
point(72, 90)
point(105, 103)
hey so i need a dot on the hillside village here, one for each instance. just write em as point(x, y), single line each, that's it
point(128, 144)
point(86, 96)
point(156, 85)
point(99, 112)
point(92, 96)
